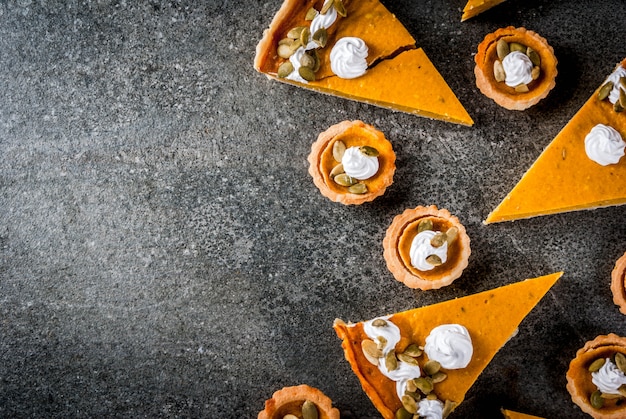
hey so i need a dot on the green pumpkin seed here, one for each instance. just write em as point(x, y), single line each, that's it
point(337, 170)
point(622, 98)
point(411, 387)
point(516, 46)
point(320, 37)
point(596, 400)
point(307, 73)
point(605, 90)
point(290, 416)
point(339, 148)
point(296, 33)
point(371, 351)
point(439, 377)
point(535, 73)
point(409, 404)
point(382, 342)
point(451, 235)
point(498, 71)
point(432, 396)
point(309, 410)
point(307, 61)
point(424, 384)
point(438, 239)
point(413, 350)
point(368, 151)
point(425, 224)
point(359, 188)
point(305, 35)
point(284, 51)
point(596, 365)
point(407, 359)
point(310, 14)
point(522, 88)
point(617, 107)
point(620, 361)
point(341, 9)
point(316, 56)
point(403, 414)
point(416, 396)
point(391, 362)
point(502, 48)
point(379, 323)
point(448, 407)
point(326, 7)
point(431, 367)
point(434, 260)
point(285, 69)
point(534, 56)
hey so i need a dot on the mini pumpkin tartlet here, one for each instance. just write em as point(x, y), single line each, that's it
point(530, 62)
point(595, 374)
point(426, 248)
point(352, 163)
point(300, 401)
point(618, 285)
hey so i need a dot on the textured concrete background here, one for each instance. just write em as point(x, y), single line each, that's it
point(164, 252)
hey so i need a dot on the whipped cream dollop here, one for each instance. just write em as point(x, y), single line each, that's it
point(391, 334)
point(421, 249)
point(348, 58)
point(450, 345)
point(358, 165)
point(325, 20)
point(518, 69)
point(604, 145)
point(614, 77)
point(430, 409)
point(608, 378)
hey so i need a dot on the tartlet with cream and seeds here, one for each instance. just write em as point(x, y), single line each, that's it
point(426, 248)
point(352, 163)
point(297, 402)
point(618, 283)
point(596, 378)
point(515, 67)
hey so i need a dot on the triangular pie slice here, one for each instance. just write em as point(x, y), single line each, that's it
point(399, 76)
point(475, 7)
point(491, 318)
point(564, 178)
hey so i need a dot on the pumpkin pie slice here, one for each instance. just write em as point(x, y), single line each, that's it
point(428, 357)
point(357, 35)
point(618, 283)
point(476, 7)
point(564, 177)
point(510, 414)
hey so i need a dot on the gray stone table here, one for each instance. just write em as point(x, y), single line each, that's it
point(164, 252)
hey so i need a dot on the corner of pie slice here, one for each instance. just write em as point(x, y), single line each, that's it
point(583, 167)
point(356, 50)
point(426, 359)
point(476, 7)
point(510, 414)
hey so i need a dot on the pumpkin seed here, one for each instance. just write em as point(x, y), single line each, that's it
point(596, 365)
point(391, 362)
point(516, 46)
point(416, 396)
point(285, 69)
point(379, 323)
point(337, 170)
point(502, 48)
point(358, 188)
point(341, 9)
point(409, 404)
point(307, 73)
point(318, 62)
point(535, 73)
point(498, 71)
point(522, 88)
point(320, 37)
point(604, 91)
point(622, 82)
point(309, 410)
point(622, 98)
point(310, 14)
point(434, 260)
point(326, 7)
point(596, 400)
point(290, 416)
point(424, 384)
point(307, 61)
point(452, 234)
point(296, 33)
point(620, 361)
point(339, 147)
point(431, 397)
point(408, 359)
point(403, 414)
point(425, 224)
point(382, 342)
point(411, 387)
point(439, 377)
point(413, 350)
point(617, 107)
point(368, 151)
point(431, 367)
point(609, 396)
point(371, 351)
point(284, 51)
point(448, 407)
point(534, 56)
point(305, 35)
point(438, 239)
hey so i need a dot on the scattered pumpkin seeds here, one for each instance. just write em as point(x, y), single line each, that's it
point(307, 60)
point(596, 365)
point(345, 180)
point(408, 359)
point(431, 367)
point(434, 260)
point(516, 46)
point(358, 188)
point(337, 170)
point(341, 9)
point(285, 69)
point(535, 72)
point(379, 323)
point(368, 151)
point(411, 387)
point(448, 407)
point(403, 414)
point(522, 88)
point(320, 37)
point(371, 351)
point(424, 384)
point(290, 416)
point(326, 7)
point(610, 396)
point(617, 107)
point(409, 404)
point(620, 361)
point(284, 51)
point(622, 98)
point(425, 224)
point(309, 410)
point(502, 48)
point(304, 36)
point(452, 234)
point(413, 350)
point(596, 400)
point(391, 362)
point(438, 239)
point(339, 148)
point(604, 91)
point(307, 73)
point(381, 342)
point(310, 14)
point(296, 33)
point(534, 56)
point(498, 71)
point(439, 377)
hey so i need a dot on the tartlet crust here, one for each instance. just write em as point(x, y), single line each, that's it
point(397, 242)
point(502, 94)
point(579, 383)
point(352, 133)
point(618, 285)
point(290, 399)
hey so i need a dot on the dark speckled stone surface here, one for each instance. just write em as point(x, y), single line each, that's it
point(164, 252)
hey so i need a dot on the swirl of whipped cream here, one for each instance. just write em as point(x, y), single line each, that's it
point(325, 20)
point(614, 78)
point(421, 249)
point(518, 69)
point(391, 333)
point(604, 145)
point(358, 165)
point(450, 345)
point(430, 409)
point(295, 62)
point(608, 378)
point(348, 58)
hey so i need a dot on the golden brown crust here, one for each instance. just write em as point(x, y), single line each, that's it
point(399, 236)
point(618, 287)
point(579, 383)
point(290, 399)
point(502, 94)
point(320, 161)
